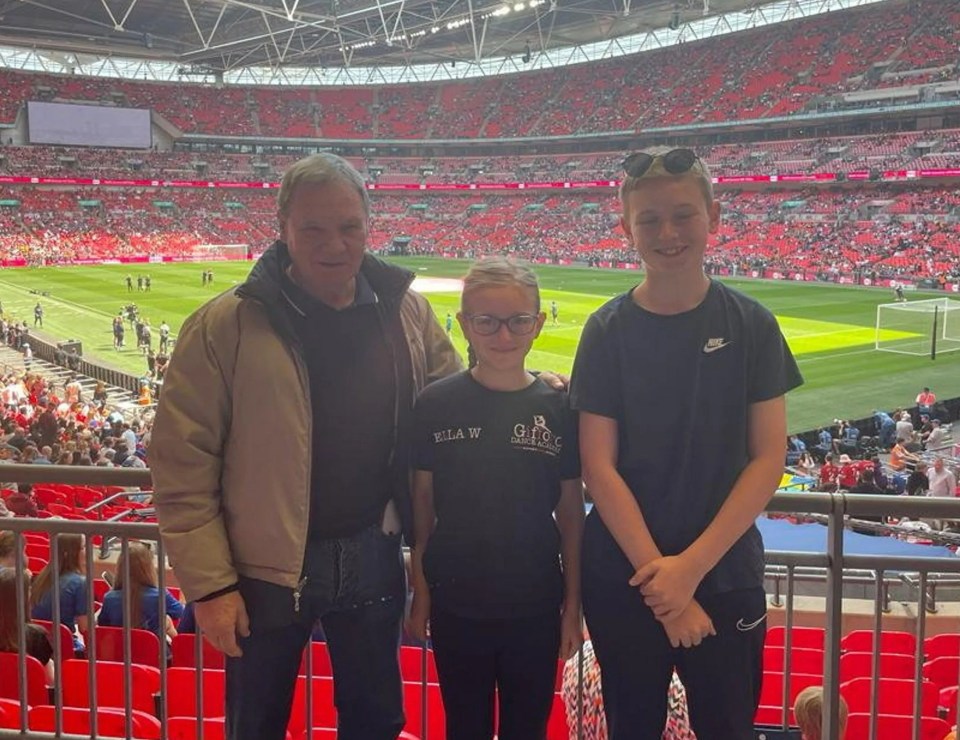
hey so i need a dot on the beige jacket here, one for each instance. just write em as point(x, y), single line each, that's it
point(230, 453)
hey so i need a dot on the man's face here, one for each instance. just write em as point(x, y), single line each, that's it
point(325, 230)
point(668, 222)
point(938, 465)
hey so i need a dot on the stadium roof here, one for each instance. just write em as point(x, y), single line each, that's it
point(213, 37)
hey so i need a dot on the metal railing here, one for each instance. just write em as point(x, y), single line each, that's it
point(788, 567)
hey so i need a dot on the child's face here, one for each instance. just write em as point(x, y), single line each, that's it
point(668, 222)
point(502, 350)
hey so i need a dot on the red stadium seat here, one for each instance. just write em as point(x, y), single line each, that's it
point(557, 724)
point(66, 637)
point(110, 722)
point(184, 651)
point(323, 714)
point(861, 641)
point(895, 696)
point(895, 727)
point(144, 646)
point(100, 588)
point(185, 728)
point(802, 660)
point(321, 660)
point(182, 692)
point(946, 644)
point(10, 679)
point(145, 682)
point(803, 637)
point(771, 695)
point(943, 671)
point(411, 664)
point(10, 714)
point(436, 719)
point(858, 665)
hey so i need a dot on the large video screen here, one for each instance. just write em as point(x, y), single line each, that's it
point(88, 125)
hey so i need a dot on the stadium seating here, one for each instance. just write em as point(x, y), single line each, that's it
point(109, 677)
point(10, 679)
point(184, 653)
point(895, 727)
point(110, 722)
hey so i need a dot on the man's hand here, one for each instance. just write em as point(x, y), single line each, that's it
point(571, 633)
point(555, 380)
point(419, 615)
point(689, 629)
point(667, 585)
point(222, 620)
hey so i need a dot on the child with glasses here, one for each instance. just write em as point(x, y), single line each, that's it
point(498, 516)
point(673, 563)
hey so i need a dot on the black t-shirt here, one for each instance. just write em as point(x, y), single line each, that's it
point(353, 371)
point(497, 459)
point(679, 387)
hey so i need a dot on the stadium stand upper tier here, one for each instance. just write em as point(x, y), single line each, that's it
point(771, 71)
point(915, 150)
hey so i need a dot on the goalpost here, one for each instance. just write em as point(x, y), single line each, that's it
point(922, 328)
point(219, 252)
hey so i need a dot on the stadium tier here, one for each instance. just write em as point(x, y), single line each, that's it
point(763, 73)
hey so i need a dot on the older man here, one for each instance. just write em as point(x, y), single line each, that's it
point(280, 459)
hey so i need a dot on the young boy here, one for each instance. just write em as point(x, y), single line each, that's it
point(808, 711)
point(680, 385)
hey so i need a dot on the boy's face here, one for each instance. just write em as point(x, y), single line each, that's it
point(668, 222)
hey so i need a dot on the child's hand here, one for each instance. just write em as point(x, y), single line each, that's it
point(419, 619)
point(667, 585)
point(690, 627)
point(571, 633)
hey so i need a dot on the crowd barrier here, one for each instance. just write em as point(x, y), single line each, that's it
point(149, 715)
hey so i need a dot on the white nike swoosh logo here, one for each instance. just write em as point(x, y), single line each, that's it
point(747, 626)
point(707, 348)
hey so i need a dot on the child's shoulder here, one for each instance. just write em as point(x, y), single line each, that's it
point(441, 390)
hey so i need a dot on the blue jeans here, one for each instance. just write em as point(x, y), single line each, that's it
point(355, 586)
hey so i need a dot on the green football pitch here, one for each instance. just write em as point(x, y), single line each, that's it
point(829, 328)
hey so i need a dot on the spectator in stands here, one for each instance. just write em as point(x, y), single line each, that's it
point(917, 482)
point(72, 587)
point(900, 458)
point(144, 595)
point(261, 576)
point(936, 438)
point(806, 465)
point(100, 394)
point(37, 642)
point(22, 502)
point(496, 607)
point(8, 550)
point(829, 473)
point(849, 475)
point(824, 443)
point(671, 553)
point(926, 400)
point(941, 480)
point(808, 711)
point(905, 432)
point(795, 448)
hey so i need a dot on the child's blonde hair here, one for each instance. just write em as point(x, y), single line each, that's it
point(808, 711)
point(499, 272)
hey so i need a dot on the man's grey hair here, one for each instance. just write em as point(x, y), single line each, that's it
point(319, 169)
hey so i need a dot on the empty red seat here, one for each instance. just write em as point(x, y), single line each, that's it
point(861, 641)
point(144, 646)
point(10, 714)
point(100, 588)
point(110, 722)
point(892, 665)
point(182, 692)
point(895, 696)
point(436, 721)
point(803, 637)
point(943, 671)
point(947, 644)
point(184, 650)
point(323, 714)
point(557, 723)
point(185, 728)
point(145, 682)
point(895, 727)
point(802, 660)
point(411, 664)
point(321, 660)
point(770, 710)
point(10, 679)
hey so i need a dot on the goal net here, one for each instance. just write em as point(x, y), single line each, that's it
point(219, 252)
point(918, 327)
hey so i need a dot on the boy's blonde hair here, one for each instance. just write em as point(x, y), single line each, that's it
point(699, 171)
point(499, 272)
point(808, 711)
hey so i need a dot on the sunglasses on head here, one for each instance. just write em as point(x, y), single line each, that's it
point(676, 162)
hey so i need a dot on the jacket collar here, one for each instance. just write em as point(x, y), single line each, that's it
point(265, 282)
